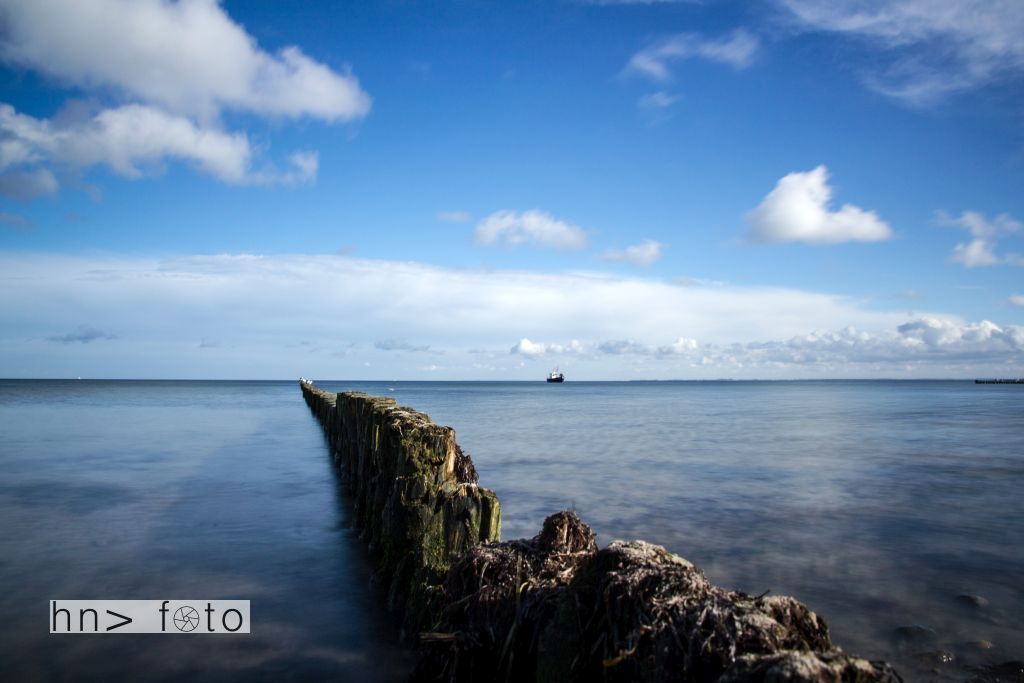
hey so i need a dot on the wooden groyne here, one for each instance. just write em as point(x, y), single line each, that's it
point(552, 608)
point(416, 499)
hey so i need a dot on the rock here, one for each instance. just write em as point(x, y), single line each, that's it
point(635, 611)
point(972, 601)
point(808, 667)
point(555, 608)
point(935, 657)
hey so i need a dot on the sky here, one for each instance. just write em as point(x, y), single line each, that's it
point(473, 190)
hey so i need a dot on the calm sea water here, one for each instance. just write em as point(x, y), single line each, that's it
point(879, 504)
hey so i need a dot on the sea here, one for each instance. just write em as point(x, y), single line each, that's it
point(895, 509)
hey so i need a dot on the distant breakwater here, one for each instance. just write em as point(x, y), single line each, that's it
point(554, 607)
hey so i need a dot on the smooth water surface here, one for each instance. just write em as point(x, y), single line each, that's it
point(876, 503)
point(881, 505)
point(181, 490)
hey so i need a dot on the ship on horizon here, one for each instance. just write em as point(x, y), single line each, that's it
point(556, 376)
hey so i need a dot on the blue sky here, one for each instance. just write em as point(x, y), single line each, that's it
point(477, 190)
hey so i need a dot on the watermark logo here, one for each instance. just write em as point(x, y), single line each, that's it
point(186, 618)
point(149, 616)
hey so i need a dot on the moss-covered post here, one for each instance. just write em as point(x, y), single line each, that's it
point(416, 496)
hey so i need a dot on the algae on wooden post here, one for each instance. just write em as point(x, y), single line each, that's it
point(415, 494)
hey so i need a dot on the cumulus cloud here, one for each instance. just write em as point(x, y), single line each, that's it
point(643, 254)
point(83, 335)
point(258, 307)
point(949, 336)
point(1017, 299)
point(173, 68)
point(980, 251)
point(924, 341)
point(932, 48)
point(798, 210)
point(188, 57)
point(130, 140)
point(680, 347)
point(654, 62)
point(514, 228)
point(525, 347)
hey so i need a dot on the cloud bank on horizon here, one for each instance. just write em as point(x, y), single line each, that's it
point(704, 195)
point(279, 310)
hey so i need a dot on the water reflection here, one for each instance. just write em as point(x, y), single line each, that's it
point(211, 490)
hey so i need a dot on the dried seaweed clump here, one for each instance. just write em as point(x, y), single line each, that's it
point(554, 608)
point(825, 667)
point(465, 470)
point(498, 598)
point(642, 613)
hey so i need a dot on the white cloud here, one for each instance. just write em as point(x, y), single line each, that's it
point(529, 349)
point(933, 47)
point(259, 308)
point(173, 68)
point(980, 251)
point(27, 185)
point(974, 254)
point(525, 347)
point(304, 167)
point(1017, 299)
point(737, 50)
point(798, 210)
point(680, 347)
point(922, 341)
point(513, 228)
point(130, 140)
point(456, 216)
point(188, 57)
point(643, 254)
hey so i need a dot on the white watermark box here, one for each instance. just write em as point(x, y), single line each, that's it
point(149, 616)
